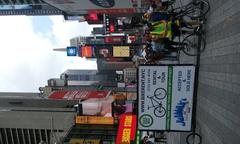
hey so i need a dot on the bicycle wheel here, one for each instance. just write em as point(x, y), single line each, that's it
point(159, 111)
point(194, 138)
point(160, 93)
point(197, 9)
point(191, 44)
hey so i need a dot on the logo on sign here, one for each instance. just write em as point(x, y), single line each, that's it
point(146, 120)
point(71, 51)
point(104, 3)
point(182, 111)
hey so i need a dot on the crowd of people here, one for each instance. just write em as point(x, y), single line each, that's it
point(160, 28)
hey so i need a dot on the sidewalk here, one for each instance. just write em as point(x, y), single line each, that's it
point(173, 138)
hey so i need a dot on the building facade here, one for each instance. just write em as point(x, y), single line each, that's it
point(28, 119)
point(29, 7)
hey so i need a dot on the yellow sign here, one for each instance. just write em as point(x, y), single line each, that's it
point(121, 51)
point(94, 120)
point(84, 141)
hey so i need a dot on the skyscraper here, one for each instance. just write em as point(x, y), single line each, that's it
point(27, 7)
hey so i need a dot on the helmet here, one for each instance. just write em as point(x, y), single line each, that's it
point(146, 16)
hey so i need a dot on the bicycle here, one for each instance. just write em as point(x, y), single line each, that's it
point(194, 43)
point(159, 110)
point(193, 10)
point(194, 138)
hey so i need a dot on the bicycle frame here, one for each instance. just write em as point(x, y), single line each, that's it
point(159, 104)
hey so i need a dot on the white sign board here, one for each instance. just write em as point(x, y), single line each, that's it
point(165, 97)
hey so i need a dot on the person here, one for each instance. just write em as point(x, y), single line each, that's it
point(145, 140)
point(156, 16)
point(166, 29)
point(160, 5)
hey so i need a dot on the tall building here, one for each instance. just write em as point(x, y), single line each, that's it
point(28, 119)
point(89, 77)
point(130, 74)
point(30, 7)
point(113, 65)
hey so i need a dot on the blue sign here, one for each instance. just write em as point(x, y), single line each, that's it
point(71, 51)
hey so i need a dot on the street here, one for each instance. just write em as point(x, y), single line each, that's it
point(218, 96)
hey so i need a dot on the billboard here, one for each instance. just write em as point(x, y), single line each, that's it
point(165, 97)
point(94, 120)
point(86, 51)
point(104, 51)
point(121, 51)
point(114, 39)
point(78, 94)
point(97, 107)
point(127, 129)
point(92, 6)
point(71, 51)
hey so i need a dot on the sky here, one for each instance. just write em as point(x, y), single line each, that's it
point(27, 59)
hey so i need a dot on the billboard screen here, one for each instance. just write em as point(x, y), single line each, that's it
point(86, 51)
point(114, 39)
point(121, 51)
point(104, 51)
point(71, 51)
point(126, 129)
point(97, 107)
point(165, 97)
point(77, 94)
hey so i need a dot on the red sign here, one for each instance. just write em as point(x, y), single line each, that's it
point(86, 51)
point(126, 129)
point(112, 29)
point(92, 16)
point(113, 11)
point(77, 94)
point(114, 39)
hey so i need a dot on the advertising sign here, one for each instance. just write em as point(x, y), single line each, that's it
point(71, 51)
point(126, 129)
point(86, 51)
point(121, 51)
point(104, 51)
point(97, 107)
point(113, 11)
point(114, 39)
point(76, 6)
point(165, 97)
point(77, 94)
point(94, 120)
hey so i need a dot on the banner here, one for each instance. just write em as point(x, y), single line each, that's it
point(126, 129)
point(77, 94)
point(94, 120)
point(165, 97)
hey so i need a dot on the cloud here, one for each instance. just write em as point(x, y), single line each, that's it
point(27, 60)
